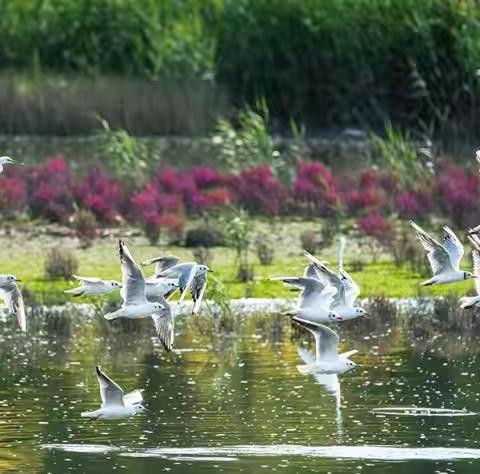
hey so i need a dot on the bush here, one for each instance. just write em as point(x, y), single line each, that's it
point(85, 225)
point(309, 241)
point(203, 256)
point(60, 263)
point(265, 249)
point(205, 235)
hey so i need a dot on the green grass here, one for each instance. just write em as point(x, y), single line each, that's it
point(25, 259)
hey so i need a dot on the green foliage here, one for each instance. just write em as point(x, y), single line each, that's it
point(330, 62)
point(396, 152)
point(249, 143)
point(127, 156)
point(238, 227)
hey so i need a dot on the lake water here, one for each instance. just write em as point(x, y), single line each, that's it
point(232, 400)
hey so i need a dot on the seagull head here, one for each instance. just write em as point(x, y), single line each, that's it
point(350, 364)
point(138, 408)
point(468, 275)
point(203, 269)
point(360, 312)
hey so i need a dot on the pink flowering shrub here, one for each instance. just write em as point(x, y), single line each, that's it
point(99, 194)
point(315, 190)
point(457, 194)
point(411, 204)
point(51, 190)
point(13, 196)
point(258, 191)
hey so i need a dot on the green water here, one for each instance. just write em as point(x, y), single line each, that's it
point(232, 400)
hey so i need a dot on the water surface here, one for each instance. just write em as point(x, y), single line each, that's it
point(231, 399)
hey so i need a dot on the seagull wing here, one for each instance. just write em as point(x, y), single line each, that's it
point(197, 289)
point(474, 239)
point(110, 392)
point(331, 278)
point(133, 398)
point(326, 339)
point(162, 263)
point(164, 326)
point(437, 254)
point(133, 281)
point(87, 279)
point(352, 290)
point(310, 271)
point(12, 296)
point(453, 246)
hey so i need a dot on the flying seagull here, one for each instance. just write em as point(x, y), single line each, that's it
point(347, 290)
point(90, 286)
point(10, 293)
point(115, 405)
point(327, 358)
point(191, 276)
point(135, 304)
point(444, 258)
point(467, 302)
point(315, 299)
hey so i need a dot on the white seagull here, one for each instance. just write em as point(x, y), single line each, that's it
point(135, 304)
point(347, 290)
point(6, 160)
point(115, 405)
point(90, 286)
point(327, 358)
point(191, 276)
point(444, 258)
point(467, 302)
point(315, 299)
point(10, 293)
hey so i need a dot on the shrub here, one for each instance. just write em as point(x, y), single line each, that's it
point(315, 191)
point(259, 192)
point(99, 194)
point(51, 190)
point(265, 249)
point(309, 241)
point(60, 263)
point(85, 225)
point(205, 235)
point(13, 196)
point(203, 256)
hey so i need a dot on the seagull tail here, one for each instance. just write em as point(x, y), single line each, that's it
point(89, 414)
point(467, 302)
point(427, 282)
point(306, 369)
point(111, 316)
point(75, 292)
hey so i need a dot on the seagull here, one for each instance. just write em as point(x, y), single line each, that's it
point(115, 405)
point(347, 290)
point(444, 258)
point(10, 293)
point(327, 358)
point(90, 286)
point(6, 160)
point(315, 299)
point(161, 264)
point(191, 276)
point(467, 302)
point(160, 288)
point(135, 304)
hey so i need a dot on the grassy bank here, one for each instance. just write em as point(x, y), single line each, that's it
point(25, 258)
point(327, 63)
